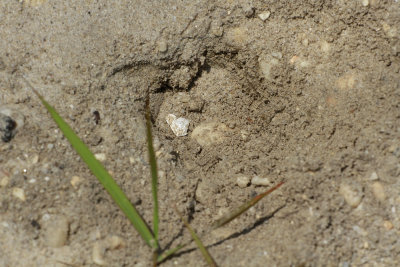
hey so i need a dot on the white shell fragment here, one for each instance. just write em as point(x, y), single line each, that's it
point(257, 180)
point(19, 193)
point(264, 16)
point(178, 125)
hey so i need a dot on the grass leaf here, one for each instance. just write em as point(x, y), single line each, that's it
point(168, 253)
point(102, 175)
point(238, 211)
point(153, 169)
point(207, 256)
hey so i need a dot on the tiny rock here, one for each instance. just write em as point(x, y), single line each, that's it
point(325, 47)
point(4, 181)
point(98, 254)
point(178, 125)
point(19, 193)
point(242, 181)
point(264, 16)
point(100, 156)
point(75, 181)
point(114, 242)
point(257, 180)
point(56, 231)
point(11, 120)
point(217, 30)
point(162, 46)
point(388, 225)
point(374, 176)
point(7, 127)
point(267, 64)
point(379, 191)
point(351, 195)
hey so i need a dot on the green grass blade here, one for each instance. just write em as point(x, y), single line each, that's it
point(102, 175)
point(238, 211)
point(207, 256)
point(168, 253)
point(153, 169)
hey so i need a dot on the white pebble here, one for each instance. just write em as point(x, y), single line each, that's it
point(19, 193)
point(351, 195)
point(374, 176)
point(257, 180)
point(56, 231)
point(242, 181)
point(178, 125)
point(365, 2)
point(264, 16)
point(100, 156)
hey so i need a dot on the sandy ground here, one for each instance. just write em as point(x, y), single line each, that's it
point(306, 92)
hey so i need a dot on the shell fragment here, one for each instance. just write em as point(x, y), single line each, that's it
point(178, 125)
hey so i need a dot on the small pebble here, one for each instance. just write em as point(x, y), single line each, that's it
point(244, 135)
point(7, 127)
point(257, 180)
point(178, 125)
point(75, 181)
point(379, 191)
point(351, 195)
point(34, 159)
point(264, 16)
point(100, 156)
point(242, 181)
point(374, 176)
point(388, 225)
point(56, 231)
point(162, 46)
point(114, 242)
point(98, 254)
point(4, 181)
point(365, 2)
point(266, 64)
point(19, 193)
